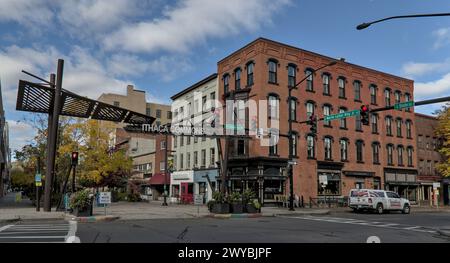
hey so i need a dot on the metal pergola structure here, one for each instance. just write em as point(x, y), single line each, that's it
point(49, 98)
point(33, 97)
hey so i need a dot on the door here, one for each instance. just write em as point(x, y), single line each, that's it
point(394, 201)
point(187, 194)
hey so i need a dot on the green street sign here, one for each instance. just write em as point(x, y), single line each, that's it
point(408, 104)
point(342, 115)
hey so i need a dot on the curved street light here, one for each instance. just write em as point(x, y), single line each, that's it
point(366, 25)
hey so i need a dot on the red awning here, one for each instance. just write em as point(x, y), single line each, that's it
point(160, 179)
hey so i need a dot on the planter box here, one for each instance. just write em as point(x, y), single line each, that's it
point(251, 209)
point(82, 213)
point(238, 208)
point(221, 209)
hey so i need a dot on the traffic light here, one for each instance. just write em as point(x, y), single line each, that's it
point(365, 114)
point(313, 123)
point(74, 158)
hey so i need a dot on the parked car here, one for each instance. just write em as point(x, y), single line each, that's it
point(379, 201)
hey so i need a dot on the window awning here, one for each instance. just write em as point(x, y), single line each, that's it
point(160, 179)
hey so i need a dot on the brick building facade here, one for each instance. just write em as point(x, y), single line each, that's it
point(428, 158)
point(344, 154)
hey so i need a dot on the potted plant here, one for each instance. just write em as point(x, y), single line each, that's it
point(81, 203)
point(220, 206)
point(235, 199)
point(249, 196)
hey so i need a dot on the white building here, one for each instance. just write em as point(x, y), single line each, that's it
point(194, 158)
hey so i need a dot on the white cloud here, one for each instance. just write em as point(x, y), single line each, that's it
point(414, 69)
point(26, 12)
point(20, 134)
point(92, 17)
point(193, 21)
point(440, 87)
point(442, 36)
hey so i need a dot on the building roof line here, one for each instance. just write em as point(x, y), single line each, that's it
point(310, 52)
point(194, 86)
point(426, 116)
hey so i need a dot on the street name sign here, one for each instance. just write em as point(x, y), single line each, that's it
point(403, 105)
point(342, 115)
point(104, 198)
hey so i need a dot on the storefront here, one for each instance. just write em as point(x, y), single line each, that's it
point(205, 183)
point(446, 191)
point(360, 180)
point(329, 179)
point(157, 183)
point(182, 187)
point(402, 181)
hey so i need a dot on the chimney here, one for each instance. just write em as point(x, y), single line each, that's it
point(130, 89)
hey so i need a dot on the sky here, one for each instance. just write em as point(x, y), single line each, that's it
point(163, 47)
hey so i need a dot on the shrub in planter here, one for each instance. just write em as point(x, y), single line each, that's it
point(220, 205)
point(80, 203)
point(236, 203)
point(253, 207)
point(134, 197)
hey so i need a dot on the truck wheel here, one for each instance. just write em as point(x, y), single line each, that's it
point(380, 209)
point(406, 209)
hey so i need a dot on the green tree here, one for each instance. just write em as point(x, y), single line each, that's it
point(443, 131)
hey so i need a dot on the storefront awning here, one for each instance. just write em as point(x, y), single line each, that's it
point(359, 174)
point(160, 179)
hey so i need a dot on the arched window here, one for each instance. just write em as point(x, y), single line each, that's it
point(327, 112)
point(310, 105)
point(408, 129)
point(293, 113)
point(359, 151)
point(326, 77)
point(294, 143)
point(250, 69)
point(327, 145)
point(226, 83)
point(376, 152)
point(400, 150)
point(374, 123)
point(407, 98)
point(341, 84)
point(410, 150)
point(310, 142)
point(344, 149)
point(390, 154)
point(398, 96)
point(273, 107)
point(273, 64)
point(237, 78)
point(373, 94)
point(343, 121)
point(387, 97)
point(388, 125)
point(399, 127)
point(292, 75)
point(357, 89)
point(309, 73)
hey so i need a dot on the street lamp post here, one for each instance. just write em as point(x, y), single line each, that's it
point(165, 170)
point(366, 25)
point(290, 164)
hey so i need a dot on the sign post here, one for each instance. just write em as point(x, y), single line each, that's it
point(436, 187)
point(38, 181)
point(105, 199)
point(198, 201)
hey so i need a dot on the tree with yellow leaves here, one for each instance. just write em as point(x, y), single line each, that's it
point(443, 131)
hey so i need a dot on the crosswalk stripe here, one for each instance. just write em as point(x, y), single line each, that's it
point(3, 228)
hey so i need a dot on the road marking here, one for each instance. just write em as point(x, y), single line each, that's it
point(38, 237)
point(365, 223)
point(70, 237)
point(3, 228)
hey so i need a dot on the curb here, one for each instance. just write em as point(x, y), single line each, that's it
point(19, 219)
point(229, 216)
point(445, 233)
point(92, 219)
point(305, 213)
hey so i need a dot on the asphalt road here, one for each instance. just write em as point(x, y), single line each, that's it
point(336, 228)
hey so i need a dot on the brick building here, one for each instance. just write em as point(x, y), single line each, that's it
point(428, 158)
point(345, 154)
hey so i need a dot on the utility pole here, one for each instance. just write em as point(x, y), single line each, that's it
point(53, 135)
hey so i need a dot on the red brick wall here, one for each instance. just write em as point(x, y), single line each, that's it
point(305, 174)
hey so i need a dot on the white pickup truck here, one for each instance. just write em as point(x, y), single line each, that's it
point(378, 201)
